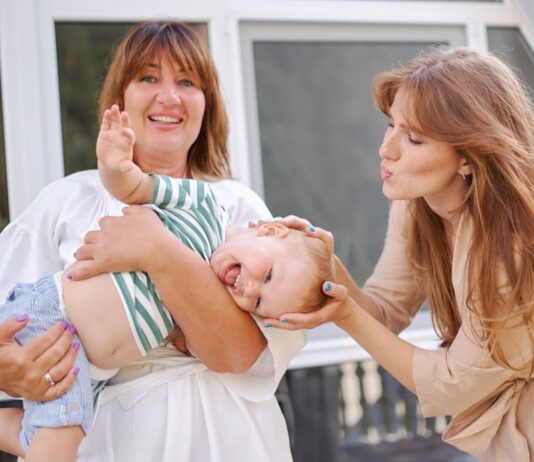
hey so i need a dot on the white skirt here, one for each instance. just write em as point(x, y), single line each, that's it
point(185, 412)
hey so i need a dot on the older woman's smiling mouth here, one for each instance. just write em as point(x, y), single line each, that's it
point(166, 119)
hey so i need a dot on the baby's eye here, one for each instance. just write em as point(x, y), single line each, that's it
point(257, 304)
point(269, 275)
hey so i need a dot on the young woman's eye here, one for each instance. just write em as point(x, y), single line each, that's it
point(269, 275)
point(413, 140)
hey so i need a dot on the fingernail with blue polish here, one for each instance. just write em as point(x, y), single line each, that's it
point(267, 324)
point(327, 287)
point(312, 229)
point(22, 317)
point(283, 320)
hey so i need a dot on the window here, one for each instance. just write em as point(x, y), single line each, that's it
point(510, 44)
point(319, 132)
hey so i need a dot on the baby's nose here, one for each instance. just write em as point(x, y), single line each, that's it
point(252, 288)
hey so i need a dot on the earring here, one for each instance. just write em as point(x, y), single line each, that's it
point(463, 175)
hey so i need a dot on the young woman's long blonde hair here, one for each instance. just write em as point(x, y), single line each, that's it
point(474, 102)
point(208, 156)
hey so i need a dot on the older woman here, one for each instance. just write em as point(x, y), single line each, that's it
point(218, 404)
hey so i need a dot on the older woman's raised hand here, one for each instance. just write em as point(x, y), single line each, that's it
point(338, 309)
point(126, 243)
point(23, 368)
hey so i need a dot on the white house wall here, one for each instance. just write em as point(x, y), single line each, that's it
point(30, 90)
point(32, 123)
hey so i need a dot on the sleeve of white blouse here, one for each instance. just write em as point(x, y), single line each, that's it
point(392, 285)
point(261, 380)
point(27, 246)
point(44, 237)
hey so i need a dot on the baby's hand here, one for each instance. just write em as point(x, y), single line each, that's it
point(114, 146)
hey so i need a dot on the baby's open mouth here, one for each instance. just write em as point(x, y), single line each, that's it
point(230, 275)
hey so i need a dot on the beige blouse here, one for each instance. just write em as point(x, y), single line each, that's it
point(492, 407)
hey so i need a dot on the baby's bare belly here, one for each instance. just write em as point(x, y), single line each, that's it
point(94, 307)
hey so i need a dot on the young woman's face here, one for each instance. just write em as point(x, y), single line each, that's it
point(414, 165)
point(166, 106)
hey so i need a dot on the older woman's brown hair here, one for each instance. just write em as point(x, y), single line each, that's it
point(208, 156)
point(474, 102)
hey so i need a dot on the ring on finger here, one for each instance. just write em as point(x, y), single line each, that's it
point(49, 379)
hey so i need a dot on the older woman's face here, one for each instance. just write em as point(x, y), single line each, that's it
point(166, 106)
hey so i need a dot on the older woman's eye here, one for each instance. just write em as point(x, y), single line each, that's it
point(147, 78)
point(269, 275)
point(186, 83)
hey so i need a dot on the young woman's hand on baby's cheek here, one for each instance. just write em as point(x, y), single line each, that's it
point(335, 310)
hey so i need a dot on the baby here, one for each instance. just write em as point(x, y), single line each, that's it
point(119, 317)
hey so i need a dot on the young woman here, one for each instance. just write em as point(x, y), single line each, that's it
point(457, 162)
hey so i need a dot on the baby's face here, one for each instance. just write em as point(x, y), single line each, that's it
point(265, 272)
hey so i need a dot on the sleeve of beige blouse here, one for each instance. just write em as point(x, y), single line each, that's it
point(392, 285)
point(451, 380)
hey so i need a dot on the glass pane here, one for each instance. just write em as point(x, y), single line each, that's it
point(511, 45)
point(471, 1)
point(84, 51)
point(320, 135)
point(4, 206)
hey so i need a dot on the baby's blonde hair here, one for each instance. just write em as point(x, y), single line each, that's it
point(318, 255)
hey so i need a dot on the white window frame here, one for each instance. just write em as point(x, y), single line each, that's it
point(30, 89)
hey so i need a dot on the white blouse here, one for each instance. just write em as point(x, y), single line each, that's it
point(165, 407)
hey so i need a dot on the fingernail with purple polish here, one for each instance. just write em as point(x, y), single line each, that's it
point(76, 371)
point(69, 276)
point(72, 330)
point(22, 317)
point(76, 346)
point(65, 325)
